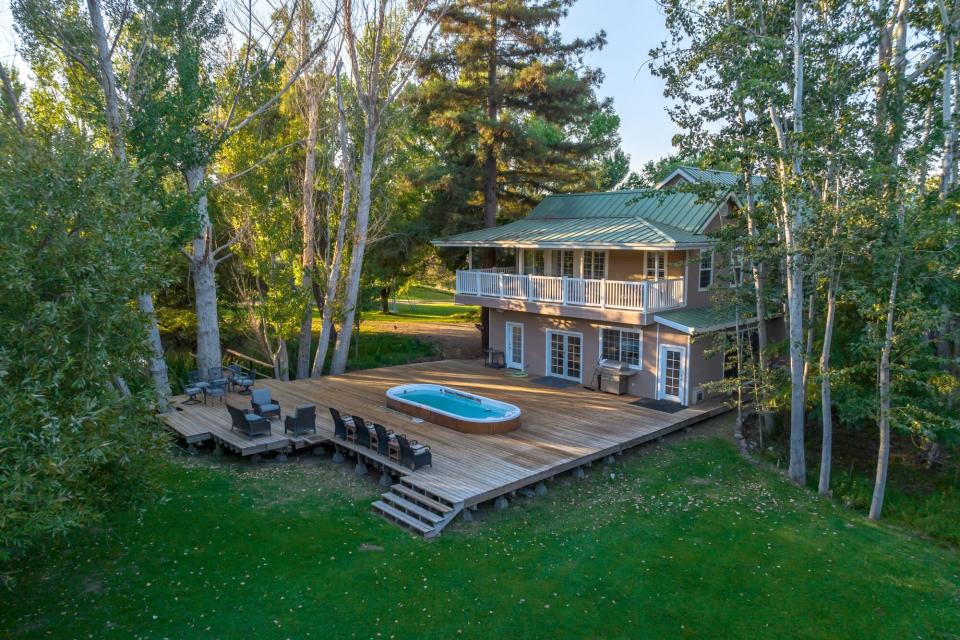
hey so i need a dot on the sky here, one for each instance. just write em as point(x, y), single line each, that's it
point(633, 27)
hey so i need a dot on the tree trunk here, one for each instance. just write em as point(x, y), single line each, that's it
point(385, 299)
point(203, 269)
point(759, 285)
point(883, 452)
point(158, 365)
point(281, 361)
point(811, 335)
point(342, 351)
point(12, 99)
point(490, 204)
point(826, 405)
point(312, 96)
point(327, 331)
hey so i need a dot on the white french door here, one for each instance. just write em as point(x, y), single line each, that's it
point(564, 351)
point(514, 354)
point(671, 384)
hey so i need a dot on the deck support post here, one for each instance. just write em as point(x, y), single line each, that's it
point(466, 515)
point(191, 449)
point(361, 468)
point(609, 460)
point(281, 456)
point(541, 489)
point(386, 480)
point(318, 450)
point(256, 458)
point(338, 455)
point(501, 503)
point(579, 473)
point(218, 450)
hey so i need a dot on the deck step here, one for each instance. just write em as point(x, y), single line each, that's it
point(423, 499)
point(396, 515)
point(423, 492)
point(412, 509)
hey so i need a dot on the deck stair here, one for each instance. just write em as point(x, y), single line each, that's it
point(416, 509)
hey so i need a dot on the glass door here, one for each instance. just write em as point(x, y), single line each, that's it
point(671, 383)
point(564, 351)
point(514, 345)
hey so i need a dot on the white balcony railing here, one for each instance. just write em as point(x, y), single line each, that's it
point(642, 295)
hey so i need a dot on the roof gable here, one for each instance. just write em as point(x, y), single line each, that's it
point(709, 176)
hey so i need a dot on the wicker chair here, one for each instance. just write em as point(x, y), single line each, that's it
point(264, 404)
point(380, 439)
point(360, 433)
point(248, 423)
point(339, 424)
point(413, 454)
point(216, 389)
point(304, 421)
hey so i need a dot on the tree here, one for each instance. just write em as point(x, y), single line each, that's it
point(74, 445)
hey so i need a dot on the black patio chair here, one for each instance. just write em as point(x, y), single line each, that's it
point(305, 420)
point(249, 424)
point(360, 431)
point(240, 377)
point(216, 389)
point(380, 439)
point(195, 379)
point(264, 404)
point(216, 374)
point(339, 424)
point(413, 454)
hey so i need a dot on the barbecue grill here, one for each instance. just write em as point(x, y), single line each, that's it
point(613, 376)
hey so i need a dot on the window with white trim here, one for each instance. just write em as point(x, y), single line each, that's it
point(620, 344)
point(656, 265)
point(533, 262)
point(706, 268)
point(563, 263)
point(594, 265)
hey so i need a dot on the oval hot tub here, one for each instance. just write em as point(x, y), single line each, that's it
point(466, 412)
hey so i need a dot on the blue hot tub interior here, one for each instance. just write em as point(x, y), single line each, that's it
point(454, 403)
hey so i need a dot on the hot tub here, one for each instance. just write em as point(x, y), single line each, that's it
point(466, 412)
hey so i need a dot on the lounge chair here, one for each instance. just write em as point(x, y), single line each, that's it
point(239, 377)
point(248, 423)
point(413, 454)
point(360, 433)
point(380, 439)
point(305, 420)
point(264, 404)
point(216, 389)
point(339, 424)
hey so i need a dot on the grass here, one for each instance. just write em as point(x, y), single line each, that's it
point(385, 349)
point(687, 540)
point(423, 303)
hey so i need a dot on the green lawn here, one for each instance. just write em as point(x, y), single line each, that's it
point(687, 540)
point(422, 303)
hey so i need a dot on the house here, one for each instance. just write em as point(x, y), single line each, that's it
point(622, 275)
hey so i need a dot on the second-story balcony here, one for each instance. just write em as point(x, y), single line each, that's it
point(644, 296)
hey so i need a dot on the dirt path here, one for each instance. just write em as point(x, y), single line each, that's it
point(456, 340)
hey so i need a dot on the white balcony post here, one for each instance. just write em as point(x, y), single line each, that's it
point(563, 289)
point(500, 284)
point(644, 297)
point(476, 275)
point(529, 280)
point(603, 293)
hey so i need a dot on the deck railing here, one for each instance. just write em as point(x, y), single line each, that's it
point(642, 295)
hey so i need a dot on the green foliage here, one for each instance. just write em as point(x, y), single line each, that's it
point(689, 540)
point(77, 245)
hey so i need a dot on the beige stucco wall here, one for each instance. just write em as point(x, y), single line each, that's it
point(699, 368)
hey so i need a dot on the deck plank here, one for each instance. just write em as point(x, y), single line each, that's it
point(561, 428)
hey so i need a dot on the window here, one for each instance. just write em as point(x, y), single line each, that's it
point(620, 344)
point(563, 263)
point(533, 262)
point(706, 268)
point(656, 265)
point(594, 265)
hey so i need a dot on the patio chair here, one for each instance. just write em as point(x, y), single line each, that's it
point(216, 389)
point(192, 391)
point(248, 423)
point(239, 377)
point(360, 432)
point(339, 424)
point(215, 374)
point(413, 454)
point(303, 421)
point(264, 404)
point(380, 439)
point(194, 379)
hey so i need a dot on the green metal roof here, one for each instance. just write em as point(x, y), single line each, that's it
point(712, 176)
point(630, 219)
point(703, 320)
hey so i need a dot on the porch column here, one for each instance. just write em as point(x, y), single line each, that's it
point(470, 259)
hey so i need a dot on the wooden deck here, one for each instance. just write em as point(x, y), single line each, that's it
point(561, 428)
